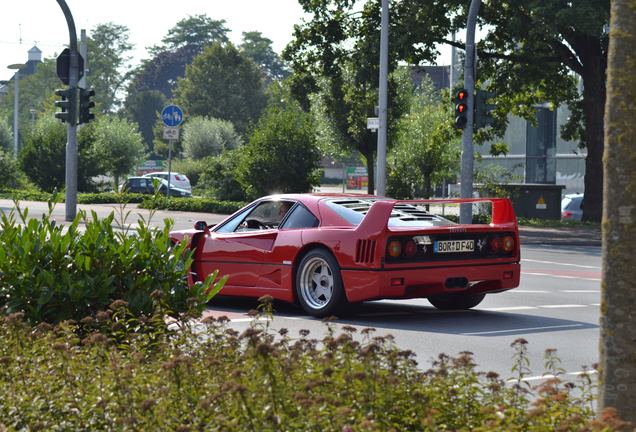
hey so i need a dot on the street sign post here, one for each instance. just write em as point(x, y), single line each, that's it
point(373, 123)
point(172, 117)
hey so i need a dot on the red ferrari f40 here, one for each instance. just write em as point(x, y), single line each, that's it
point(326, 252)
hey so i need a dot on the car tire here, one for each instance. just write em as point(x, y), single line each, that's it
point(319, 286)
point(456, 300)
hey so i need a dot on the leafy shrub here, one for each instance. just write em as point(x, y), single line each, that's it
point(109, 198)
point(210, 377)
point(53, 273)
point(219, 179)
point(204, 205)
point(204, 136)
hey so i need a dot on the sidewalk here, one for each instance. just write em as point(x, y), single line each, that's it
point(563, 236)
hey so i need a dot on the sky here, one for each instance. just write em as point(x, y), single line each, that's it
point(26, 23)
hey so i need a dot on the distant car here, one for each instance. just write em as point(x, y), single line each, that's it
point(328, 251)
point(144, 185)
point(572, 207)
point(177, 180)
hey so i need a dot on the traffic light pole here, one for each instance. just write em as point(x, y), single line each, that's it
point(466, 189)
point(71, 145)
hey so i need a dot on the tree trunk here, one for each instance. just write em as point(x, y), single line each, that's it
point(594, 95)
point(618, 298)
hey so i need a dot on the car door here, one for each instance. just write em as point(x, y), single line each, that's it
point(237, 247)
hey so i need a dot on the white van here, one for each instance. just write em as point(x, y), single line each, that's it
point(177, 180)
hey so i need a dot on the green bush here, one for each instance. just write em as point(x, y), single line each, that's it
point(109, 198)
point(203, 205)
point(53, 273)
point(210, 377)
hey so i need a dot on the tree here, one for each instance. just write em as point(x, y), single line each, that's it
point(259, 49)
point(108, 48)
point(281, 155)
point(43, 156)
point(204, 137)
point(618, 303)
point(426, 150)
point(143, 108)
point(195, 31)
point(6, 136)
point(335, 54)
point(222, 83)
point(12, 177)
point(220, 177)
point(118, 145)
point(529, 55)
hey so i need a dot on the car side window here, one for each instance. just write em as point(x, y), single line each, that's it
point(300, 217)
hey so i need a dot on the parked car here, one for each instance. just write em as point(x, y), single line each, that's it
point(177, 180)
point(328, 251)
point(144, 185)
point(572, 207)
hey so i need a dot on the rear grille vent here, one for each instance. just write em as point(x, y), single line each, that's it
point(365, 251)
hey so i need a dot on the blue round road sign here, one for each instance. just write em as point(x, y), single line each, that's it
point(172, 116)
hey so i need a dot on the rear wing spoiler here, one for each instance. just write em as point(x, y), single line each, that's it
point(377, 218)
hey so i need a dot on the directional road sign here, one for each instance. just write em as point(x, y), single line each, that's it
point(172, 116)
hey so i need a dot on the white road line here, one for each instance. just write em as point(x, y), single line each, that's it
point(580, 291)
point(562, 306)
point(559, 263)
point(529, 291)
point(516, 330)
point(549, 376)
point(560, 276)
point(511, 308)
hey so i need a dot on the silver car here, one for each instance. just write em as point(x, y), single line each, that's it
point(572, 207)
point(177, 180)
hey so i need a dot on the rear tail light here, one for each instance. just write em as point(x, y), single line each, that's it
point(394, 248)
point(566, 214)
point(494, 244)
point(508, 244)
point(177, 177)
point(410, 248)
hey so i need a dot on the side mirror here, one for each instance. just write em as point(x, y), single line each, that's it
point(202, 226)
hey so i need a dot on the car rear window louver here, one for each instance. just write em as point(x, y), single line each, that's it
point(404, 212)
point(365, 251)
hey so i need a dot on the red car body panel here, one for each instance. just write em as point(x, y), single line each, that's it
point(264, 261)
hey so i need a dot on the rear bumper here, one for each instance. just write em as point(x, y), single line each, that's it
point(424, 282)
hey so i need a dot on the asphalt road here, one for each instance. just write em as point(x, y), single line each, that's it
point(556, 306)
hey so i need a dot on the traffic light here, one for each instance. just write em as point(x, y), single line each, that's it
point(483, 109)
point(85, 105)
point(66, 104)
point(461, 108)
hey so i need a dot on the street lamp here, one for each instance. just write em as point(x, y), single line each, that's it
point(16, 104)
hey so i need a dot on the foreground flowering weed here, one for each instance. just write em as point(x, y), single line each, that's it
point(119, 372)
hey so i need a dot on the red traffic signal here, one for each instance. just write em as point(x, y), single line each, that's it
point(461, 108)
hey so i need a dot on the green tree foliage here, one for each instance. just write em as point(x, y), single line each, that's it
point(223, 83)
point(118, 145)
point(282, 155)
point(426, 151)
point(219, 177)
point(6, 135)
point(203, 136)
point(195, 31)
point(44, 153)
point(12, 177)
point(108, 57)
point(617, 350)
point(259, 49)
point(528, 56)
point(335, 53)
point(144, 108)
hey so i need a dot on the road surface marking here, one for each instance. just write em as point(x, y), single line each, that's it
point(559, 263)
point(549, 376)
point(511, 308)
point(516, 330)
point(580, 291)
point(562, 306)
point(529, 291)
point(561, 276)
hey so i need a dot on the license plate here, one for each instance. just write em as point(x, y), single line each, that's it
point(454, 246)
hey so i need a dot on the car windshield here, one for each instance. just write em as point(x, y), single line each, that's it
point(403, 215)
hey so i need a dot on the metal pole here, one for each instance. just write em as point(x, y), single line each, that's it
point(71, 130)
point(384, 71)
point(16, 113)
point(466, 190)
point(83, 49)
point(169, 165)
